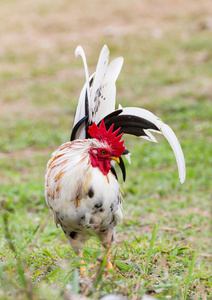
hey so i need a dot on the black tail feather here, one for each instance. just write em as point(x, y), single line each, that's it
point(114, 172)
point(129, 124)
point(76, 127)
point(122, 167)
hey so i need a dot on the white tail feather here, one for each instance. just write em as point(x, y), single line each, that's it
point(107, 97)
point(101, 102)
point(166, 131)
point(103, 94)
point(175, 145)
point(79, 51)
point(128, 157)
point(99, 77)
point(80, 112)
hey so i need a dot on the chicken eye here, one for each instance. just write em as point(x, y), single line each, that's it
point(103, 152)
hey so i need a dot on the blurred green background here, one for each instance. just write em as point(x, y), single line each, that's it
point(167, 50)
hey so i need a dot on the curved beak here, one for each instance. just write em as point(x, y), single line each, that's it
point(115, 158)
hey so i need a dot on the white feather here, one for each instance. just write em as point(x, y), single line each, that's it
point(166, 131)
point(103, 94)
point(100, 73)
point(149, 136)
point(108, 89)
point(79, 51)
point(80, 112)
point(128, 157)
point(175, 145)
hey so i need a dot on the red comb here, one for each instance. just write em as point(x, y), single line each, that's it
point(101, 133)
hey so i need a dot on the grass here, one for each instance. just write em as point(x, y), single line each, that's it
point(150, 252)
point(170, 75)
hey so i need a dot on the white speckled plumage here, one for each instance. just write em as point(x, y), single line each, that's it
point(80, 197)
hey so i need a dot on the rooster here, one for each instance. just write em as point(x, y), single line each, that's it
point(81, 184)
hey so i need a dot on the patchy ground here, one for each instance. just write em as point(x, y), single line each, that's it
point(167, 48)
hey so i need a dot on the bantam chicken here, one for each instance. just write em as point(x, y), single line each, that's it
point(81, 186)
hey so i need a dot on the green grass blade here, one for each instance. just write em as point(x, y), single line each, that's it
point(122, 266)
point(100, 272)
point(190, 271)
point(75, 282)
point(152, 241)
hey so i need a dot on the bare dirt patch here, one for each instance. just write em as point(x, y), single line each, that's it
point(44, 24)
point(26, 153)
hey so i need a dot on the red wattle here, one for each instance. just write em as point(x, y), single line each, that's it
point(103, 164)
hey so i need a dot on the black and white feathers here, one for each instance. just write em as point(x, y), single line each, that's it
point(97, 102)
